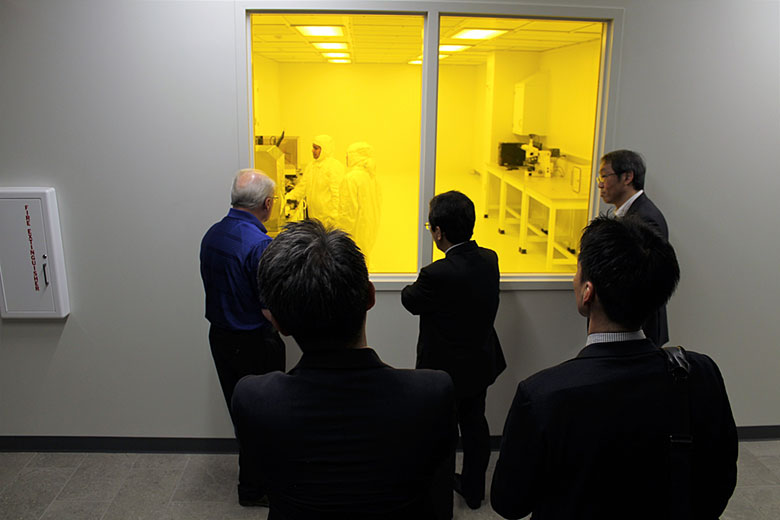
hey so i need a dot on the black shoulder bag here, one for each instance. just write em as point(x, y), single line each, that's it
point(681, 440)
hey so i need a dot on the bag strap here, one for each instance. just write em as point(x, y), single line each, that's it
point(681, 439)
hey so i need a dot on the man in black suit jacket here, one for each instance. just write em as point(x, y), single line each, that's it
point(621, 182)
point(342, 435)
point(604, 435)
point(457, 300)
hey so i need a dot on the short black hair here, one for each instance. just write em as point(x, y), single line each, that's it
point(623, 161)
point(454, 214)
point(633, 269)
point(315, 282)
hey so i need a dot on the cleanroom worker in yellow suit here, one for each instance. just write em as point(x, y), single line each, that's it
point(320, 182)
point(360, 197)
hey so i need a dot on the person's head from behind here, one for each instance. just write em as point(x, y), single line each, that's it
point(621, 174)
point(451, 217)
point(625, 269)
point(314, 284)
point(361, 154)
point(253, 191)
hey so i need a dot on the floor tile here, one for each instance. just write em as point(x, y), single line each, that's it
point(145, 494)
point(10, 466)
point(772, 463)
point(764, 499)
point(213, 510)
point(212, 478)
point(751, 472)
point(162, 460)
point(760, 448)
point(740, 507)
point(99, 477)
point(75, 510)
point(27, 497)
point(57, 460)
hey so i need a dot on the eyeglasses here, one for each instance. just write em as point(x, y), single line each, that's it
point(601, 178)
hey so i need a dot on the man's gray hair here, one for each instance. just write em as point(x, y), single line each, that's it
point(250, 189)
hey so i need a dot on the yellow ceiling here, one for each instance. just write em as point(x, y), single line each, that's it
point(398, 38)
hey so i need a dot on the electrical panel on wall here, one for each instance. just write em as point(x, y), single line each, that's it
point(33, 283)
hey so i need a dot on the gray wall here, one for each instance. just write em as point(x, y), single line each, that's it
point(130, 111)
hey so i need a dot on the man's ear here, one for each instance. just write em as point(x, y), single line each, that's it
point(438, 233)
point(588, 293)
point(270, 317)
point(628, 177)
point(371, 295)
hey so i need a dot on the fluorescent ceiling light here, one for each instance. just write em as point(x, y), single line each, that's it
point(320, 30)
point(415, 62)
point(453, 48)
point(479, 34)
point(336, 54)
point(330, 46)
point(339, 61)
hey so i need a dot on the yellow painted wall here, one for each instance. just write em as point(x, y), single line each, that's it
point(574, 76)
point(265, 89)
point(509, 68)
point(379, 104)
point(458, 132)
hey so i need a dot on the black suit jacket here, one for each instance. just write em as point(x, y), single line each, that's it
point(656, 327)
point(589, 439)
point(343, 435)
point(456, 298)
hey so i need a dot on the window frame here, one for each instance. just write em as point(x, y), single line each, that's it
point(604, 136)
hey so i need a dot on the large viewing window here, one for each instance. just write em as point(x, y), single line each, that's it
point(348, 77)
point(505, 83)
point(517, 114)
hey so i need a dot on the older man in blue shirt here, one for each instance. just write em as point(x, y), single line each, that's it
point(242, 341)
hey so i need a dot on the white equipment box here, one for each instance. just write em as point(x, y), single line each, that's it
point(33, 283)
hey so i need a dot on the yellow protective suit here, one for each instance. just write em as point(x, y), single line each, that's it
point(360, 197)
point(319, 185)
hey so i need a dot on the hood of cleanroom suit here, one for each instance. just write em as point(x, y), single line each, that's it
point(325, 142)
point(360, 197)
point(319, 185)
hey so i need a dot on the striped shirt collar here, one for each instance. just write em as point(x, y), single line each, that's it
point(612, 337)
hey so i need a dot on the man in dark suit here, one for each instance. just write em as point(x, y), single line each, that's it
point(457, 300)
point(342, 435)
point(612, 434)
point(621, 182)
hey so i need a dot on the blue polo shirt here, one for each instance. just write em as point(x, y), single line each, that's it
point(229, 254)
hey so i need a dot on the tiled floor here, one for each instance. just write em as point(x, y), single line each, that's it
point(137, 486)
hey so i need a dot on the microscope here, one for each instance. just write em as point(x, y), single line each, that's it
point(537, 161)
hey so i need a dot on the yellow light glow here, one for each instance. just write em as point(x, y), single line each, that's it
point(336, 54)
point(328, 46)
point(453, 48)
point(478, 34)
point(415, 62)
point(442, 56)
point(320, 30)
point(339, 61)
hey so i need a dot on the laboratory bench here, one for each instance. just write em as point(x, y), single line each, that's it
point(556, 193)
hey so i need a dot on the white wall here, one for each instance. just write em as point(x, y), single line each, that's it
point(129, 111)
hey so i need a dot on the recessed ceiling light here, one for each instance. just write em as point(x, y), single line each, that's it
point(339, 61)
point(453, 48)
point(320, 30)
point(336, 54)
point(479, 34)
point(328, 46)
